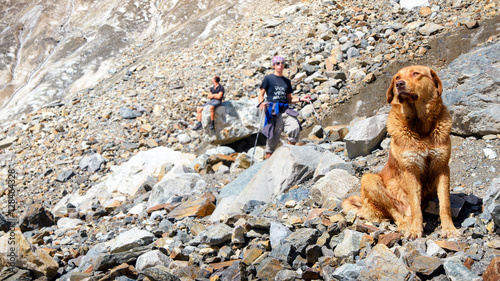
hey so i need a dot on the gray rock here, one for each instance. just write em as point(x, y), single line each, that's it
point(251, 205)
point(330, 161)
point(175, 184)
point(151, 259)
point(350, 245)
point(130, 239)
point(288, 166)
point(237, 185)
point(336, 184)
point(365, 135)
point(238, 235)
point(430, 28)
point(67, 223)
point(106, 261)
point(434, 250)
point(278, 233)
point(352, 53)
point(458, 272)
point(4, 224)
point(65, 175)
point(91, 256)
point(92, 163)
point(234, 120)
point(471, 91)
point(6, 142)
point(159, 273)
point(215, 235)
point(284, 252)
point(347, 272)
point(410, 4)
point(456, 204)
point(491, 202)
point(128, 113)
point(287, 275)
point(382, 264)
point(302, 238)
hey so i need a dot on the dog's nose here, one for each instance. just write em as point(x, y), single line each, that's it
point(400, 84)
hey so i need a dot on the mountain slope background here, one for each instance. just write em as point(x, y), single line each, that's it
point(53, 49)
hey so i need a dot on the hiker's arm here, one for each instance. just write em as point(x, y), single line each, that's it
point(217, 96)
point(291, 99)
point(261, 99)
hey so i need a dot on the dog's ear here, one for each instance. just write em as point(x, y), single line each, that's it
point(390, 91)
point(437, 81)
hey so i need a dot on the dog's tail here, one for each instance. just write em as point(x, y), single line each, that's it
point(352, 203)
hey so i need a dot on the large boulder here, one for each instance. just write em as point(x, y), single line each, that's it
point(365, 135)
point(336, 184)
point(125, 180)
point(175, 185)
point(471, 91)
point(289, 165)
point(234, 120)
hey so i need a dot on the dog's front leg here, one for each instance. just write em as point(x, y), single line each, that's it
point(414, 193)
point(448, 230)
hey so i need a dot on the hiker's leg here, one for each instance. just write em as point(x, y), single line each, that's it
point(199, 109)
point(292, 128)
point(272, 143)
point(212, 112)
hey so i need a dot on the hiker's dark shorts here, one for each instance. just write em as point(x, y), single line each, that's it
point(213, 102)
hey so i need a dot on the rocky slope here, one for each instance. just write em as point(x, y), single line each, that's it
point(150, 220)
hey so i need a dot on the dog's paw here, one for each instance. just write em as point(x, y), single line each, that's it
point(450, 232)
point(412, 235)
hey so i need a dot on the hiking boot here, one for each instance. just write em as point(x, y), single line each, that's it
point(212, 125)
point(197, 127)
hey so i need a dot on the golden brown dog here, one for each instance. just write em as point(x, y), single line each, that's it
point(417, 170)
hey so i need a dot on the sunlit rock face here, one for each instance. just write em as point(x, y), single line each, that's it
point(51, 49)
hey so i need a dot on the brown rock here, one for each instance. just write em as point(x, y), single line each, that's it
point(389, 239)
point(366, 228)
point(251, 256)
point(425, 11)
point(369, 78)
point(38, 261)
point(425, 265)
point(209, 196)
point(219, 265)
point(472, 24)
point(450, 246)
point(338, 130)
point(201, 207)
point(167, 206)
point(268, 269)
point(121, 270)
point(468, 263)
point(36, 217)
point(492, 272)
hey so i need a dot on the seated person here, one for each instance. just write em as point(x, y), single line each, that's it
point(216, 94)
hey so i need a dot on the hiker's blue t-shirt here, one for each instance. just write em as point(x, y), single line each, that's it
point(277, 88)
point(217, 90)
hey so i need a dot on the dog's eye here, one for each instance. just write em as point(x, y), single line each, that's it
point(397, 77)
point(414, 74)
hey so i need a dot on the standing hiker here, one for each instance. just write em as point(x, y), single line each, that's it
point(279, 117)
point(216, 94)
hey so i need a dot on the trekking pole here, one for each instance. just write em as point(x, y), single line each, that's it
point(317, 117)
point(258, 132)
